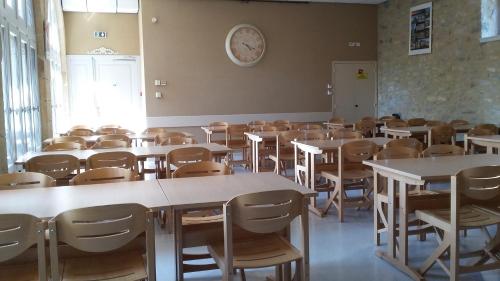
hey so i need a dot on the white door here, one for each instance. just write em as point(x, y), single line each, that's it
point(354, 89)
point(105, 90)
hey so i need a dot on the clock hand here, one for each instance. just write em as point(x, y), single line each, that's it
point(248, 46)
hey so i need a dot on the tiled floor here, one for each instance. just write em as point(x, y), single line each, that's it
point(338, 252)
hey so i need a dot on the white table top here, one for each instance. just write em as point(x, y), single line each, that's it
point(185, 193)
point(336, 143)
point(146, 151)
point(274, 134)
point(434, 167)
point(494, 138)
point(142, 136)
point(424, 129)
point(48, 202)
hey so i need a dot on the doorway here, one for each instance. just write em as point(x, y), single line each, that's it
point(105, 89)
point(354, 89)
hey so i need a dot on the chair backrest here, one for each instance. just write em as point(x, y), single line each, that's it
point(313, 135)
point(18, 232)
point(236, 132)
point(63, 146)
point(165, 136)
point(257, 123)
point(281, 122)
point(396, 123)
point(443, 134)
point(75, 139)
point(479, 184)
point(81, 132)
point(491, 127)
point(406, 142)
point(366, 127)
point(218, 124)
point(312, 127)
point(439, 150)
point(479, 132)
point(156, 130)
point(110, 144)
point(282, 127)
point(104, 175)
point(369, 118)
point(284, 138)
point(177, 140)
point(433, 123)
point(57, 166)
point(336, 120)
point(458, 122)
point(25, 180)
point(345, 133)
point(397, 152)
point(181, 156)
point(201, 169)
point(78, 127)
point(268, 128)
point(264, 212)
point(118, 159)
point(121, 137)
point(416, 122)
point(99, 229)
point(357, 151)
point(387, 118)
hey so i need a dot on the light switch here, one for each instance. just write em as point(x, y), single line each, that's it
point(157, 82)
point(158, 95)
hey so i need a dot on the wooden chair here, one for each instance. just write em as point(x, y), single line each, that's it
point(475, 192)
point(387, 118)
point(121, 137)
point(194, 221)
point(433, 123)
point(237, 141)
point(221, 127)
point(418, 198)
point(281, 122)
point(366, 127)
point(118, 159)
point(61, 167)
point(268, 128)
point(75, 139)
point(25, 180)
point(107, 144)
point(78, 127)
point(457, 122)
point(476, 132)
point(336, 120)
point(416, 122)
point(104, 175)
point(396, 123)
point(442, 134)
point(177, 140)
point(102, 231)
point(63, 146)
point(107, 129)
point(345, 133)
point(491, 127)
point(18, 233)
point(369, 118)
point(406, 142)
point(439, 150)
point(156, 130)
point(350, 174)
point(81, 132)
point(257, 123)
point(185, 155)
point(265, 214)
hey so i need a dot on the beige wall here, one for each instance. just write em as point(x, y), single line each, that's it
point(123, 32)
point(186, 48)
point(459, 80)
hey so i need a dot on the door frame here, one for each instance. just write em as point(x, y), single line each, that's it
point(374, 62)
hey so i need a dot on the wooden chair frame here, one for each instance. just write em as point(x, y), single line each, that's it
point(104, 175)
point(119, 159)
point(107, 144)
point(181, 156)
point(76, 139)
point(63, 146)
point(61, 167)
point(25, 180)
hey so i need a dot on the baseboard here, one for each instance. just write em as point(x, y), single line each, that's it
point(203, 120)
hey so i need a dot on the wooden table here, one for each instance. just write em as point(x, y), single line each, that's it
point(257, 137)
point(413, 131)
point(91, 140)
point(140, 152)
point(48, 202)
point(489, 142)
point(317, 147)
point(400, 174)
point(211, 192)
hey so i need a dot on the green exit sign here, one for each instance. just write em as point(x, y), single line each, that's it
point(100, 34)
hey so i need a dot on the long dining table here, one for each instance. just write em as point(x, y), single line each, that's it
point(403, 173)
point(217, 150)
point(136, 137)
point(309, 149)
point(415, 131)
point(186, 194)
point(490, 142)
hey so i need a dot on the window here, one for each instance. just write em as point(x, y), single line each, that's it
point(10, 3)
point(20, 8)
point(490, 20)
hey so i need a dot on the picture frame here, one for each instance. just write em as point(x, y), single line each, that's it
point(420, 29)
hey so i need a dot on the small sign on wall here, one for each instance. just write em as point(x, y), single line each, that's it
point(362, 74)
point(100, 34)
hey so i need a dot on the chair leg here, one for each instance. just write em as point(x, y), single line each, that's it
point(242, 274)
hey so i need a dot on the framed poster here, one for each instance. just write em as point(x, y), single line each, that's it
point(421, 29)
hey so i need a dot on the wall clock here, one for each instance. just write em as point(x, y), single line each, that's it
point(245, 45)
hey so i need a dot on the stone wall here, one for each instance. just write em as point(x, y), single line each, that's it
point(460, 79)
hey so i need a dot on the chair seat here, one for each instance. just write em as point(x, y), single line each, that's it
point(471, 216)
point(257, 252)
point(128, 266)
point(348, 174)
point(19, 272)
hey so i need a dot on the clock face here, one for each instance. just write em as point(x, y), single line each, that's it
point(245, 45)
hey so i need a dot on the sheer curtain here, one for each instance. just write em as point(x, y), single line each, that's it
point(56, 56)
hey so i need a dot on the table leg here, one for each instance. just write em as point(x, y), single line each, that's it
point(403, 223)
